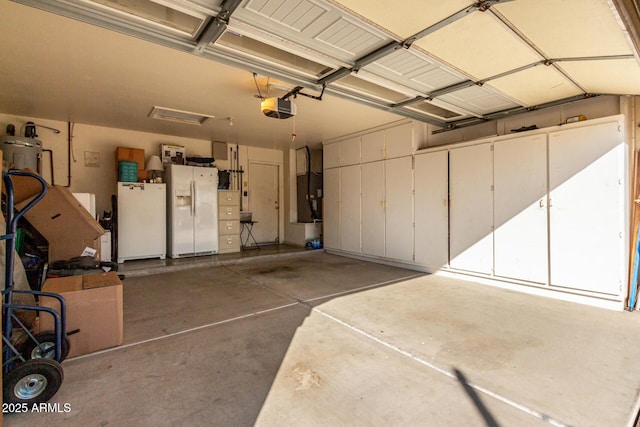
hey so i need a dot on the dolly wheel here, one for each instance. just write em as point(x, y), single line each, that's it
point(47, 340)
point(34, 381)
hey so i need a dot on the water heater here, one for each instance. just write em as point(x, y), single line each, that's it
point(21, 152)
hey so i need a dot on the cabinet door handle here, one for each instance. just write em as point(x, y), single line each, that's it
point(550, 204)
point(542, 203)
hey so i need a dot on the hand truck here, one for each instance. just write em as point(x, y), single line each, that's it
point(31, 370)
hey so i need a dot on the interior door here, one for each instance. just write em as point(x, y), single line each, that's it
point(331, 208)
point(520, 201)
point(350, 208)
point(373, 197)
point(399, 208)
point(264, 201)
point(587, 203)
point(432, 209)
point(471, 208)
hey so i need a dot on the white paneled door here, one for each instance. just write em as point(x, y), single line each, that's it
point(350, 208)
point(264, 201)
point(431, 209)
point(586, 207)
point(399, 208)
point(373, 211)
point(520, 202)
point(471, 208)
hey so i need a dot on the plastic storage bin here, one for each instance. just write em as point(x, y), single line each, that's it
point(128, 171)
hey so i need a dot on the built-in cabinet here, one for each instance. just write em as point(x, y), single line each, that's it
point(520, 201)
point(331, 208)
point(399, 208)
point(431, 176)
point(350, 208)
point(471, 208)
point(342, 153)
point(587, 208)
point(373, 209)
point(372, 201)
point(560, 203)
point(546, 208)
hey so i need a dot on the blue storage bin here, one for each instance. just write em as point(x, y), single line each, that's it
point(128, 171)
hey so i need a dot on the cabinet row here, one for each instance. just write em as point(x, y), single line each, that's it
point(398, 141)
point(547, 208)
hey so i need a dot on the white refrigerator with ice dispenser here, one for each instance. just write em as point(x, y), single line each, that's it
point(192, 210)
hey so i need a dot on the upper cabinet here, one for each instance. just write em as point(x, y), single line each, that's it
point(390, 143)
point(399, 141)
point(342, 153)
point(373, 146)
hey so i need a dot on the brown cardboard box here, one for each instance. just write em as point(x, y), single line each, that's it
point(24, 187)
point(65, 223)
point(125, 154)
point(94, 306)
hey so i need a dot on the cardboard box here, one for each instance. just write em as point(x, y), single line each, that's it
point(61, 219)
point(173, 154)
point(125, 154)
point(24, 187)
point(94, 306)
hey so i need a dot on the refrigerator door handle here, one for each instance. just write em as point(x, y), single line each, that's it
point(193, 207)
point(195, 198)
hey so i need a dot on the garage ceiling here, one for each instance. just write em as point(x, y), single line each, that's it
point(451, 64)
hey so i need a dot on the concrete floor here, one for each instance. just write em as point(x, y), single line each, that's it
point(290, 338)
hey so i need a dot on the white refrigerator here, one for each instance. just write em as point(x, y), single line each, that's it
point(192, 210)
point(141, 221)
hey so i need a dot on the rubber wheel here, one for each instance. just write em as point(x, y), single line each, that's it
point(47, 340)
point(34, 381)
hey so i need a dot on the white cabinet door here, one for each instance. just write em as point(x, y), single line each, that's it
point(399, 141)
point(587, 205)
point(350, 151)
point(372, 146)
point(373, 214)
point(431, 209)
point(471, 208)
point(399, 208)
point(520, 202)
point(350, 208)
point(331, 155)
point(331, 209)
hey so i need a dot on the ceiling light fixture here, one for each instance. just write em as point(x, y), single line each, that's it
point(186, 117)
